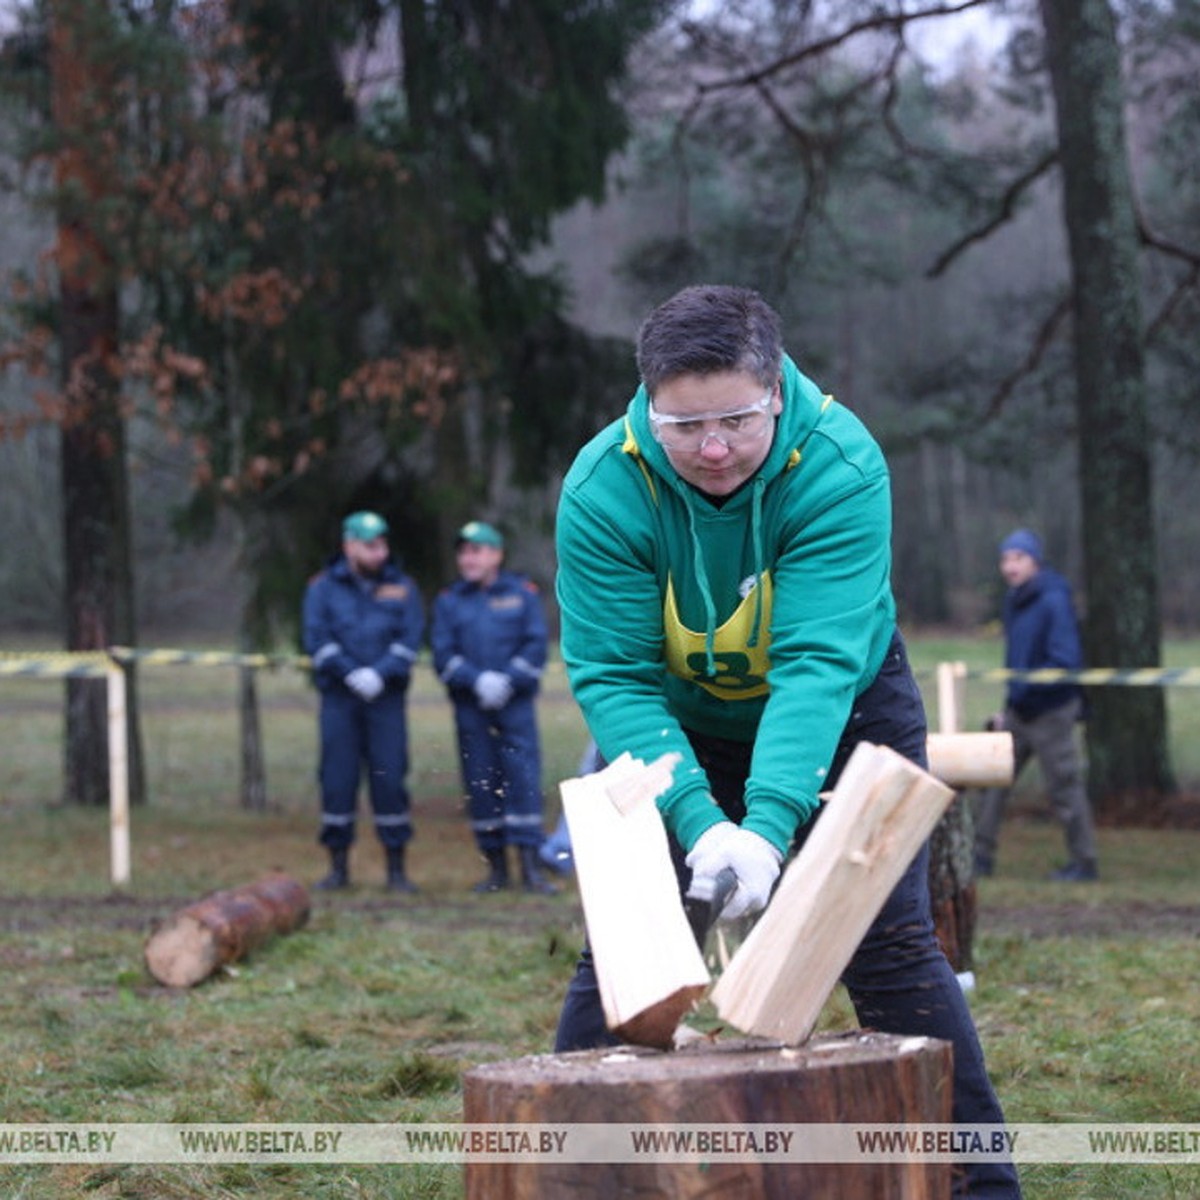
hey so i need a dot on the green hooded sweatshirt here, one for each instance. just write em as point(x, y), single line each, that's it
point(759, 620)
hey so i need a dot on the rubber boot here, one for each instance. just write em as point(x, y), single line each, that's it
point(531, 873)
point(497, 879)
point(339, 871)
point(397, 880)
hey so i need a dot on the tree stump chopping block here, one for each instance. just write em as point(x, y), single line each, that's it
point(224, 926)
point(861, 1078)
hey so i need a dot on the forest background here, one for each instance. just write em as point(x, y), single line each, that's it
point(269, 263)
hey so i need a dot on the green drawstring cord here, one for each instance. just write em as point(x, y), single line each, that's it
point(710, 609)
point(760, 486)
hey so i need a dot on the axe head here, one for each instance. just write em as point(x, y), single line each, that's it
point(702, 911)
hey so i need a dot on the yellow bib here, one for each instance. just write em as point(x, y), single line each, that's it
point(741, 668)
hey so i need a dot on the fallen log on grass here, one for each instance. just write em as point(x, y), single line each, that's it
point(224, 926)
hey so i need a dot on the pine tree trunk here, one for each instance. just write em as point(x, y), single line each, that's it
point(1128, 759)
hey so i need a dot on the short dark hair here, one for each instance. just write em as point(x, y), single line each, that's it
point(707, 329)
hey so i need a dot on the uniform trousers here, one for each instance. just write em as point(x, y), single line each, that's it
point(500, 757)
point(355, 732)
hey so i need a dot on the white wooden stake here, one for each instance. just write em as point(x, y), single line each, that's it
point(118, 776)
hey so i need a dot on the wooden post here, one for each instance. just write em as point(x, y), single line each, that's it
point(223, 927)
point(118, 776)
point(950, 682)
point(952, 890)
point(868, 1078)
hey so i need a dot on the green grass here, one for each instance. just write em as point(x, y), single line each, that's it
point(1086, 1000)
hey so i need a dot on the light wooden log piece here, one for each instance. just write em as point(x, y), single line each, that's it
point(971, 760)
point(223, 927)
point(867, 1078)
point(876, 818)
point(648, 965)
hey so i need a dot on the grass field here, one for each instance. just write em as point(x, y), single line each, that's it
point(1086, 1002)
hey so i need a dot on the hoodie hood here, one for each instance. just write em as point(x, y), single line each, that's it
point(803, 403)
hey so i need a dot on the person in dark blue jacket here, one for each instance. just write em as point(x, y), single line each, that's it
point(488, 636)
point(1040, 630)
point(363, 624)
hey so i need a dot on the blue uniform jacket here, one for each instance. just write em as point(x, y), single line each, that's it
point(351, 622)
point(1040, 630)
point(496, 628)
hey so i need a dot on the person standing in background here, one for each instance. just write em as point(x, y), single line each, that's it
point(363, 624)
point(1040, 630)
point(488, 635)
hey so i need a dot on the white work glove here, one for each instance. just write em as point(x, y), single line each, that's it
point(493, 689)
point(753, 860)
point(365, 682)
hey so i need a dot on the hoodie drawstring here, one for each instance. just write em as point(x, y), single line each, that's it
point(760, 486)
point(710, 609)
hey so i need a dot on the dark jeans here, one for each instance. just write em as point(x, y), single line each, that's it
point(898, 979)
point(1051, 737)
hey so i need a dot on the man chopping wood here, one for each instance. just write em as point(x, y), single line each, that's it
point(724, 583)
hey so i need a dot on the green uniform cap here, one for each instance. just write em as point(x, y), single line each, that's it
point(482, 533)
point(364, 526)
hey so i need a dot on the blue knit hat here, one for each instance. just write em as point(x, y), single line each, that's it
point(1026, 540)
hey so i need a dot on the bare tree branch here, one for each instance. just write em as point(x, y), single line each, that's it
point(1008, 203)
point(1173, 301)
point(894, 21)
point(1041, 343)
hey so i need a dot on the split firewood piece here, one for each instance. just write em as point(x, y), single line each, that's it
point(224, 926)
point(971, 760)
point(650, 970)
point(880, 812)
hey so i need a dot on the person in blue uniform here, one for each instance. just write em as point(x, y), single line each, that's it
point(363, 624)
point(488, 636)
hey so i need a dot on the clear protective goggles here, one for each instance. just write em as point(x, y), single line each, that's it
point(733, 428)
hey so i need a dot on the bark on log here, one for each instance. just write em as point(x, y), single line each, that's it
point(224, 926)
point(952, 890)
point(868, 1078)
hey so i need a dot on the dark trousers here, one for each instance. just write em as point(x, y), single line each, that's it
point(353, 733)
point(1051, 736)
point(502, 772)
point(898, 979)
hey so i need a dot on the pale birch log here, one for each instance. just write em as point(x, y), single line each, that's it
point(880, 812)
point(648, 965)
point(971, 760)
